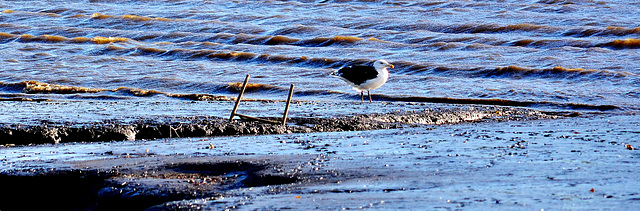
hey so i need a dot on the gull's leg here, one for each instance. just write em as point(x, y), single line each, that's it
point(369, 92)
point(361, 96)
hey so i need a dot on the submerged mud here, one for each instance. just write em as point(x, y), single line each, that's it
point(180, 127)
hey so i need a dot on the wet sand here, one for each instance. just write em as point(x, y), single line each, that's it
point(489, 158)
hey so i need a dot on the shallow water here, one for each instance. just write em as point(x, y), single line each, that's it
point(582, 52)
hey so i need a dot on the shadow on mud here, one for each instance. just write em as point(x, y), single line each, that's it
point(111, 190)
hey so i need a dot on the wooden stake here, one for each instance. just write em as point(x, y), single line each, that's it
point(286, 109)
point(242, 116)
point(235, 108)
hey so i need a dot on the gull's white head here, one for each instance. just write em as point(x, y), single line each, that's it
point(382, 64)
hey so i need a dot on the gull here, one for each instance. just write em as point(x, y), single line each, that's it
point(364, 78)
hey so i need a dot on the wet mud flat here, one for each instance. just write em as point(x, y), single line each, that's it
point(435, 157)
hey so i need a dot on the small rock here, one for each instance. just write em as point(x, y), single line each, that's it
point(629, 147)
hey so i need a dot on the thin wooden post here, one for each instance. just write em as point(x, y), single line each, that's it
point(235, 108)
point(286, 109)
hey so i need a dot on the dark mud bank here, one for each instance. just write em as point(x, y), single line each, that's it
point(131, 188)
point(180, 127)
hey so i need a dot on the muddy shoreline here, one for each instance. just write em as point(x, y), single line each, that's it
point(517, 162)
point(114, 130)
point(381, 156)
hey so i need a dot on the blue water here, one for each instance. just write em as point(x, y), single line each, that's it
point(557, 52)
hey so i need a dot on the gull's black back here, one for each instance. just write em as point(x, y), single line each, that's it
point(357, 74)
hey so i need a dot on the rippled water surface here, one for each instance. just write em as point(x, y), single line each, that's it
point(564, 52)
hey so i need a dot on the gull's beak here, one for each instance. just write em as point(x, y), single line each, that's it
point(391, 66)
